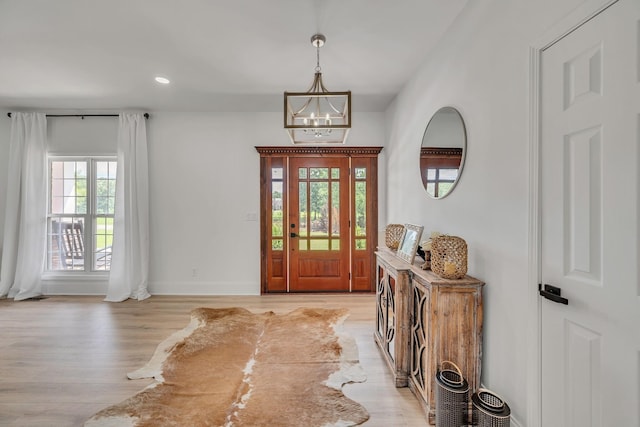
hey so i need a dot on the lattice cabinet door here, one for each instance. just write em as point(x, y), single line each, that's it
point(392, 315)
point(419, 327)
point(445, 325)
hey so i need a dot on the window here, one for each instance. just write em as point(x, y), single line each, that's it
point(440, 180)
point(80, 218)
point(439, 169)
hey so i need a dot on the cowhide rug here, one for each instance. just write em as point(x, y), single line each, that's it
point(230, 367)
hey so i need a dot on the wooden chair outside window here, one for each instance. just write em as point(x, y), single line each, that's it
point(71, 247)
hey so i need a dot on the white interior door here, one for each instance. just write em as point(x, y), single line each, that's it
point(590, 120)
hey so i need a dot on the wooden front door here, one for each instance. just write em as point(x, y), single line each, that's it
point(318, 218)
point(319, 224)
point(590, 110)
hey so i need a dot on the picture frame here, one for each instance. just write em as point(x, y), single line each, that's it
point(409, 242)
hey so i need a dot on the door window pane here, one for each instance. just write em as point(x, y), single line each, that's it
point(302, 209)
point(335, 208)
point(361, 208)
point(319, 173)
point(277, 173)
point(319, 244)
point(319, 204)
point(277, 221)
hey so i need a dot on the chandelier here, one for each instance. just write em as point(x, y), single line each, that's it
point(317, 115)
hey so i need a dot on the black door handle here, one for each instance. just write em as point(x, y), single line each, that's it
point(552, 293)
point(292, 234)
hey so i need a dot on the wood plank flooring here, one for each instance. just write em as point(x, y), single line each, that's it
point(64, 358)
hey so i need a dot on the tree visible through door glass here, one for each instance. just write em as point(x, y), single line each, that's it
point(361, 208)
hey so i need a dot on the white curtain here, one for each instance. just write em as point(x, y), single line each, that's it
point(130, 250)
point(25, 224)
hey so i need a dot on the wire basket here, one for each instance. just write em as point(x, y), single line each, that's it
point(489, 410)
point(392, 235)
point(452, 396)
point(449, 257)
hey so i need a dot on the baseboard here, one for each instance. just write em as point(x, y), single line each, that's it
point(79, 285)
point(204, 288)
point(98, 286)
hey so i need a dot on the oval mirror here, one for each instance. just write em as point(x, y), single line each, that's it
point(442, 152)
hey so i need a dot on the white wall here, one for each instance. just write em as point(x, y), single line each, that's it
point(74, 136)
point(481, 68)
point(204, 181)
point(205, 184)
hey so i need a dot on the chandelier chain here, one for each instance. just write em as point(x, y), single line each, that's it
point(318, 59)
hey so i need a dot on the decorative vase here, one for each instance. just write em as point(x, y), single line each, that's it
point(449, 257)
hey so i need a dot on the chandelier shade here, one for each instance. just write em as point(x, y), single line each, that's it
point(317, 115)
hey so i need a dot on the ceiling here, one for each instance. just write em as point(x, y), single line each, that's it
point(220, 55)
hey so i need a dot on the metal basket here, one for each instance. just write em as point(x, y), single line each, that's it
point(452, 396)
point(489, 410)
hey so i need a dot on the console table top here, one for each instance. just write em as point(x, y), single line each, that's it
point(400, 265)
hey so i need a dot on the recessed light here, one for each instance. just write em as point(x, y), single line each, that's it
point(162, 80)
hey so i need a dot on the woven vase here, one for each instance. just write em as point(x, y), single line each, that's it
point(392, 235)
point(449, 257)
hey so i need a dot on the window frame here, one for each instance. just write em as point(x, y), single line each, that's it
point(89, 218)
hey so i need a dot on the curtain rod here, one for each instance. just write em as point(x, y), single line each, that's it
point(146, 115)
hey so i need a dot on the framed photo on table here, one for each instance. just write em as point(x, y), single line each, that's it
point(409, 242)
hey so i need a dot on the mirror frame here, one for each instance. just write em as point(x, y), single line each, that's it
point(444, 151)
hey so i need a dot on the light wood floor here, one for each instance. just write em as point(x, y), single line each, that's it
point(64, 358)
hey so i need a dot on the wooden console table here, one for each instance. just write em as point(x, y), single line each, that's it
point(423, 320)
